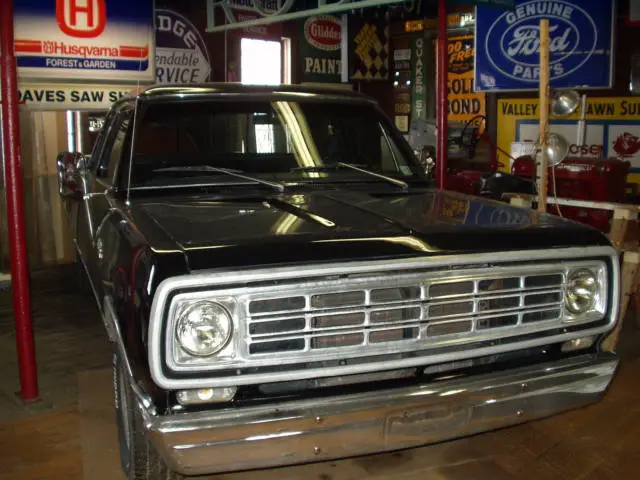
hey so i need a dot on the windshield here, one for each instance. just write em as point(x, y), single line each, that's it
point(282, 141)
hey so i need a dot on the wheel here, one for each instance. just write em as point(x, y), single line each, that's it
point(138, 457)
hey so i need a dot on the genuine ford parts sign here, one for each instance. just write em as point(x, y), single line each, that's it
point(508, 45)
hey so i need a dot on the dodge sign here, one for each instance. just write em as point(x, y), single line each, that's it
point(181, 54)
point(508, 45)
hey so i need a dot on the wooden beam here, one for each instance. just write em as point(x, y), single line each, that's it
point(544, 113)
point(521, 202)
point(624, 229)
point(570, 202)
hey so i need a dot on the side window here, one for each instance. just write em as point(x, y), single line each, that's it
point(113, 149)
point(118, 150)
point(98, 148)
point(389, 153)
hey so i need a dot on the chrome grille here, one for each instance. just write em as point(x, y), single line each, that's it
point(275, 339)
point(403, 311)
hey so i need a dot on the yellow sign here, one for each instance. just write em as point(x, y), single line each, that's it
point(613, 129)
point(414, 25)
point(464, 104)
point(454, 20)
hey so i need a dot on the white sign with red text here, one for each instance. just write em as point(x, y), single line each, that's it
point(594, 137)
point(56, 96)
point(615, 140)
point(88, 40)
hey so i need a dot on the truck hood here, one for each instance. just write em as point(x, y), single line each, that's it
point(322, 226)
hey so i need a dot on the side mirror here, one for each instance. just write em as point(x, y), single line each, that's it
point(70, 167)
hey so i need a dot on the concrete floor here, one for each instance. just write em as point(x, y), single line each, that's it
point(70, 434)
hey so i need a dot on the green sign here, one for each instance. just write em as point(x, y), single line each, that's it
point(320, 49)
point(504, 4)
point(418, 85)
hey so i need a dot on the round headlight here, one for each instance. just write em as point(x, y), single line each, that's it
point(204, 328)
point(582, 289)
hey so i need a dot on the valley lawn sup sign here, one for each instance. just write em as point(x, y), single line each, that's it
point(508, 45)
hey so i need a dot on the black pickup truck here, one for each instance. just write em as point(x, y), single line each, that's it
point(282, 285)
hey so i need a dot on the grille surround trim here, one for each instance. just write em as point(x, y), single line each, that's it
point(168, 376)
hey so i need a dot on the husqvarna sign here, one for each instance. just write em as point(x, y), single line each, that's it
point(508, 45)
point(89, 40)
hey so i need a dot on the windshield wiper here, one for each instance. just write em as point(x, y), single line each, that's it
point(233, 173)
point(331, 166)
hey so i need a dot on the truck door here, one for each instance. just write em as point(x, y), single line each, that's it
point(100, 201)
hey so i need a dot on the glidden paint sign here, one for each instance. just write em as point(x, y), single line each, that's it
point(323, 32)
point(508, 44)
point(321, 49)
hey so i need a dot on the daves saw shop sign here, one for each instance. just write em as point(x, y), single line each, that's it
point(508, 45)
point(90, 40)
point(320, 49)
point(70, 97)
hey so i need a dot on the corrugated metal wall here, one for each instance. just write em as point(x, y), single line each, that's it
point(49, 241)
point(43, 135)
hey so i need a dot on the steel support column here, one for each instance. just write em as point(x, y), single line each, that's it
point(442, 108)
point(15, 209)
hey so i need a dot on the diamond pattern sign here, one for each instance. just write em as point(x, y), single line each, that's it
point(369, 47)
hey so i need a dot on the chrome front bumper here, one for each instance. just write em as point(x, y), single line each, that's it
point(351, 425)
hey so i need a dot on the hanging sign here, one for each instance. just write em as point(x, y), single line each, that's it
point(368, 48)
point(508, 45)
point(181, 53)
point(418, 86)
point(464, 103)
point(320, 49)
point(402, 59)
point(70, 97)
point(271, 31)
point(89, 40)
point(504, 4)
point(270, 11)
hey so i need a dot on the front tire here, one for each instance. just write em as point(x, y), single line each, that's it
point(138, 457)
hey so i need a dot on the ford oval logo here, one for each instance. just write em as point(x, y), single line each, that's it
point(513, 40)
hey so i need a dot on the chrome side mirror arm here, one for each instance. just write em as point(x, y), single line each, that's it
point(71, 168)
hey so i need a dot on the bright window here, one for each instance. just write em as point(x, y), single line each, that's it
point(261, 62)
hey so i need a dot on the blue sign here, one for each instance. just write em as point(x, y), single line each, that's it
point(89, 40)
point(508, 45)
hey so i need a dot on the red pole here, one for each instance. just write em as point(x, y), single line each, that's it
point(15, 209)
point(442, 108)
